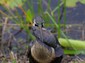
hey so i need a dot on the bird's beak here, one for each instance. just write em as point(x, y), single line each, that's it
point(34, 23)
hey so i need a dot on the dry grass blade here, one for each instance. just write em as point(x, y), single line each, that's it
point(3, 13)
point(3, 32)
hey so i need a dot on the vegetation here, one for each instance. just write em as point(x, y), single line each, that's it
point(21, 14)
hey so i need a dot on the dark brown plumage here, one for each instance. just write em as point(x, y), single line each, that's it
point(46, 48)
point(41, 53)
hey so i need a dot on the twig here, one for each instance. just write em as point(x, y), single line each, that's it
point(3, 32)
point(3, 13)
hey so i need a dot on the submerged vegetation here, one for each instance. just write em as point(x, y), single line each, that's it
point(16, 17)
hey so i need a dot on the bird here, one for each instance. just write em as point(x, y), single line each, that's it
point(46, 47)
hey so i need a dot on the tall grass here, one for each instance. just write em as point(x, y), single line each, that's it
point(25, 19)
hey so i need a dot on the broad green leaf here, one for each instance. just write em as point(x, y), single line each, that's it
point(71, 3)
point(74, 51)
point(77, 44)
point(82, 1)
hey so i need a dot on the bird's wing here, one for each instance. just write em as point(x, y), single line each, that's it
point(57, 41)
point(45, 36)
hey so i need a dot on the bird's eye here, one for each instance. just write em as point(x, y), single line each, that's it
point(36, 25)
point(42, 25)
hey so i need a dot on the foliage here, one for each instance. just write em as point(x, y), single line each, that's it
point(73, 3)
point(82, 1)
point(12, 3)
point(47, 15)
point(77, 44)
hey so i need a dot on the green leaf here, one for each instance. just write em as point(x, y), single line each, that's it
point(12, 3)
point(30, 15)
point(77, 44)
point(82, 1)
point(71, 3)
point(74, 51)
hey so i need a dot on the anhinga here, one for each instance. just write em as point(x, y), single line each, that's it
point(46, 47)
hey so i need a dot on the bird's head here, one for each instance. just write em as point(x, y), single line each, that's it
point(38, 22)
